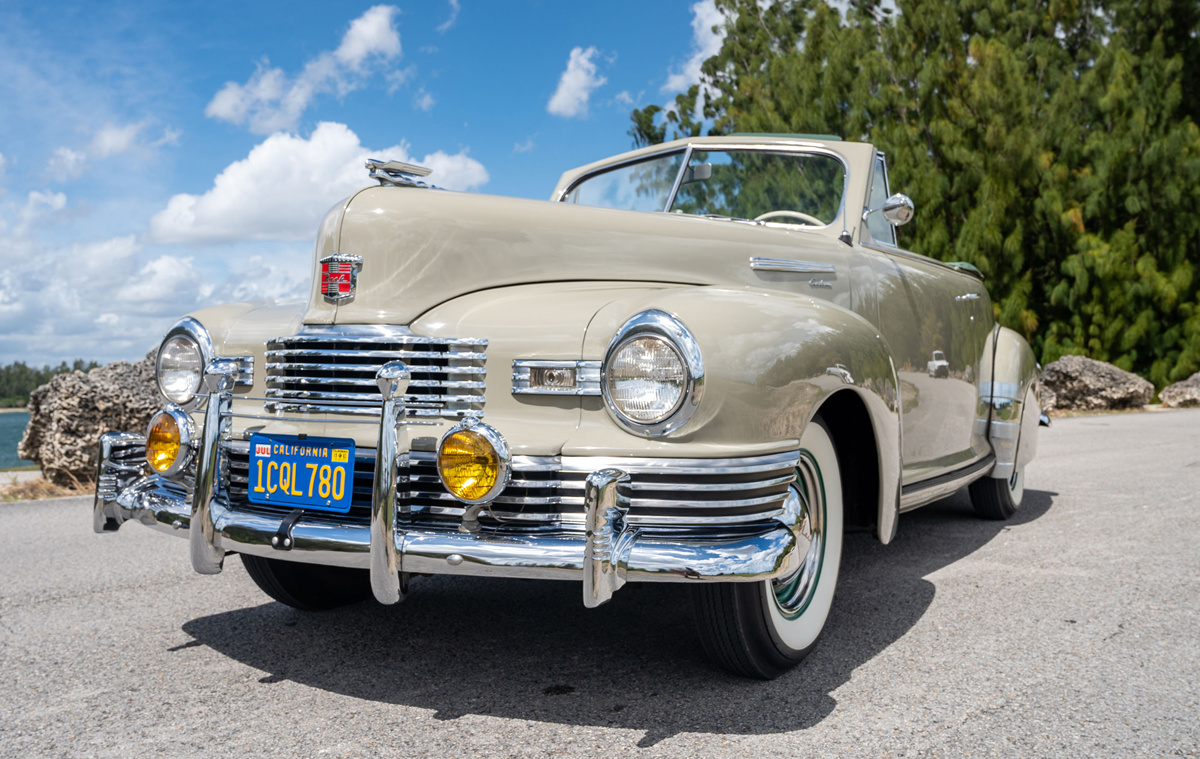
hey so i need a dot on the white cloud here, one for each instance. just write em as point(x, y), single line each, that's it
point(68, 163)
point(371, 34)
point(3, 163)
point(624, 98)
point(423, 100)
point(38, 206)
point(397, 78)
point(113, 140)
point(705, 44)
point(523, 147)
point(269, 101)
point(170, 136)
point(454, 9)
point(281, 189)
point(576, 84)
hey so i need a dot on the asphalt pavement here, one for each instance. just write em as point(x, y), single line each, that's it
point(1072, 630)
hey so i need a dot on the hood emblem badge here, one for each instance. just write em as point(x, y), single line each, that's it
point(339, 276)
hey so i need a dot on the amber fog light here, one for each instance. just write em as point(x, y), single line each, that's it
point(169, 440)
point(473, 462)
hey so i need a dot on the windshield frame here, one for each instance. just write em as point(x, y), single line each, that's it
point(709, 147)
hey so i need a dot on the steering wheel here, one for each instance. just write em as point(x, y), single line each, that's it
point(808, 220)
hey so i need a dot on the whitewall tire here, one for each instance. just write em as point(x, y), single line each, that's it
point(763, 629)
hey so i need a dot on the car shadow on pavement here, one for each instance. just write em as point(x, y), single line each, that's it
point(529, 650)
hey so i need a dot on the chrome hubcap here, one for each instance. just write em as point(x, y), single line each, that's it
point(792, 593)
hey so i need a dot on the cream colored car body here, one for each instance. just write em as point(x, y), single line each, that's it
point(551, 280)
point(815, 344)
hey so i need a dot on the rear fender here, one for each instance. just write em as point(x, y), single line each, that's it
point(1008, 393)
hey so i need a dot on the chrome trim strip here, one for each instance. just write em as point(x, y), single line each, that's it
point(928, 491)
point(790, 265)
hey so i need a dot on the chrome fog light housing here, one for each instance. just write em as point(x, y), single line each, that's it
point(170, 441)
point(473, 462)
point(653, 374)
point(182, 356)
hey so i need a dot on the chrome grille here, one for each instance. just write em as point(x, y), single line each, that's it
point(312, 371)
point(547, 491)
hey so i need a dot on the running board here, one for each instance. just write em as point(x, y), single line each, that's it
point(920, 493)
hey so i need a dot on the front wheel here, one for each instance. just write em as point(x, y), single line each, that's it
point(763, 629)
point(309, 587)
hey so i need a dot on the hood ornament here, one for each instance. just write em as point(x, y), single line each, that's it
point(396, 174)
point(339, 276)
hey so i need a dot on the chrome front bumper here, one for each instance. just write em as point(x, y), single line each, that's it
point(603, 556)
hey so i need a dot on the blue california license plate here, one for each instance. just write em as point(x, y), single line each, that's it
point(311, 472)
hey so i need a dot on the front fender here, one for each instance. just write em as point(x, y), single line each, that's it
point(771, 360)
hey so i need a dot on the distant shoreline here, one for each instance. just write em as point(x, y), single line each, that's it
point(12, 410)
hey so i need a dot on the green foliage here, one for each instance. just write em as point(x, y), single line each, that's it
point(1052, 145)
point(17, 380)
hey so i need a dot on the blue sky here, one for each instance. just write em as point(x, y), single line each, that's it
point(161, 157)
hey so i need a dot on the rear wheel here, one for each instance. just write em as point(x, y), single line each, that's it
point(998, 499)
point(763, 629)
point(310, 587)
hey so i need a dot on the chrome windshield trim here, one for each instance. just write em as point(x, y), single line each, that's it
point(687, 159)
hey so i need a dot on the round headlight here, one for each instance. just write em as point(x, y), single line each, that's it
point(473, 462)
point(646, 379)
point(179, 366)
point(169, 440)
point(653, 374)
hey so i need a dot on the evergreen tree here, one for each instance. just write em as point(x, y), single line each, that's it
point(1053, 146)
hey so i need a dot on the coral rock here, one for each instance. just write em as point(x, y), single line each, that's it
point(1182, 394)
point(1077, 383)
point(68, 414)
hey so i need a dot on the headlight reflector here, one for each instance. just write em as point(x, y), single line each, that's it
point(180, 366)
point(646, 379)
point(169, 440)
point(473, 462)
point(653, 375)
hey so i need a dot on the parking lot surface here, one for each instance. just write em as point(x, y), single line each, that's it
point(1073, 630)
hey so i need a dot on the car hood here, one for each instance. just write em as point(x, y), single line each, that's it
point(421, 248)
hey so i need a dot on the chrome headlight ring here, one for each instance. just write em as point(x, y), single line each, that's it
point(499, 446)
point(188, 442)
point(193, 331)
point(679, 338)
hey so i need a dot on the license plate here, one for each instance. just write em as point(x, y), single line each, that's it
point(310, 472)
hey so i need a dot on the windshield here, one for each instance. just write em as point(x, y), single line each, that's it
point(770, 186)
point(642, 186)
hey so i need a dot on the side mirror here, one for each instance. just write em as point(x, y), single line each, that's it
point(898, 210)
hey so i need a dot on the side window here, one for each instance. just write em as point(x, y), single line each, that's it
point(880, 229)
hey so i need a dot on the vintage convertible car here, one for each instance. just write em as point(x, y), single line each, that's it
point(700, 363)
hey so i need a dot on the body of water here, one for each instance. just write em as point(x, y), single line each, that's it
point(12, 426)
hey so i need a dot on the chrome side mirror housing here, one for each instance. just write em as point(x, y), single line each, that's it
point(898, 210)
